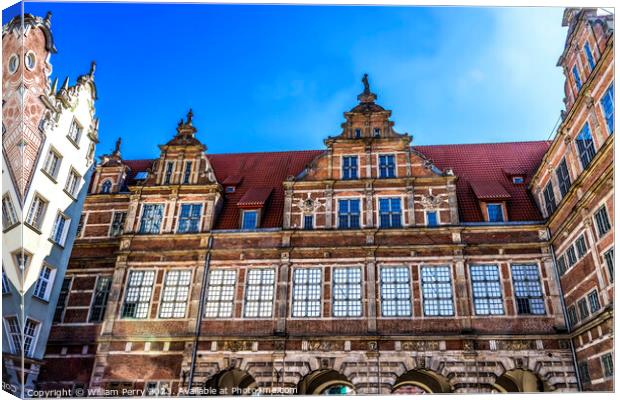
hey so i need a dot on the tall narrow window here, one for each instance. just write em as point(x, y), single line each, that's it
point(571, 256)
point(176, 293)
point(609, 260)
point(584, 372)
point(43, 286)
point(549, 199)
point(585, 145)
point(75, 132)
point(152, 215)
point(431, 218)
point(437, 291)
point(36, 212)
point(495, 213)
point(168, 174)
point(189, 218)
point(106, 186)
point(220, 293)
point(389, 213)
point(349, 167)
point(51, 165)
point(6, 286)
point(580, 243)
point(138, 294)
point(608, 364)
point(259, 293)
point(60, 229)
point(562, 264)
point(602, 221)
point(347, 292)
point(576, 77)
point(572, 316)
point(100, 299)
point(487, 290)
point(358, 133)
point(395, 292)
point(588, 52)
point(31, 332)
point(63, 297)
point(528, 292)
point(14, 332)
point(80, 227)
point(563, 177)
point(306, 293)
point(595, 305)
point(349, 214)
point(308, 222)
point(607, 103)
point(72, 184)
point(118, 223)
point(249, 219)
point(187, 173)
point(583, 309)
point(387, 166)
point(9, 216)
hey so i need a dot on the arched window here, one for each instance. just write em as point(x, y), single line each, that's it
point(106, 186)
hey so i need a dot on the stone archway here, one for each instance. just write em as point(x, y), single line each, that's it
point(421, 381)
point(325, 381)
point(231, 382)
point(520, 380)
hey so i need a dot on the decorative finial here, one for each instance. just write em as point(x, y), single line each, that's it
point(65, 84)
point(117, 146)
point(54, 88)
point(366, 84)
point(190, 115)
point(93, 66)
point(48, 17)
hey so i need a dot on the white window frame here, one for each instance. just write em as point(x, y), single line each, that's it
point(501, 208)
point(396, 286)
point(47, 163)
point(65, 229)
point(41, 211)
point(378, 166)
point(161, 222)
point(13, 332)
point(44, 284)
point(200, 217)
point(361, 216)
point(424, 295)
point(9, 215)
point(175, 292)
point(348, 284)
point(473, 291)
point(305, 300)
point(359, 169)
point(76, 127)
point(139, 299)
point(216, 290)
point(378, 212)
point(530, 297)
point(260, 299)
point(73, 183)
point(243, 214)
point(112, 232)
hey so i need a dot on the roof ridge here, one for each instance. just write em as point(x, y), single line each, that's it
point(484, 143)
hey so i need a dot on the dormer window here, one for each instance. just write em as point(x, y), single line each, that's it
point(349, 167)
point(377, 132)
point(387, 166)
point(249, 219)
point(142, 175)
point(517, 179)
point(358, 133)
point(106, 187)
point(230, 189)
point(495, 212)
point(168, 173)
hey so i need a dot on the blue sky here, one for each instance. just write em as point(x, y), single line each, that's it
point(266, 78)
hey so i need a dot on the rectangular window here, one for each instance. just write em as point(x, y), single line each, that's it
point(585, 145)
point(250, 219)
point(358, 133)
point(562, 264)
point(563, 177)
point(437, 291)
point(259, 293)
point(308, 222)
point(570, 255)
point(549, 199)
point(487, 290)
point(607, 103)
point(168, 173)
point(63, 297)
point(377, 132)
point(138, 294)
point(36, 212)
point(14, 332)
point(349, 214)
point(588, 52)
point(495, 213)
point(6, 286)
point(51, 165)
point(582, 249)
point(347, 292)
point(118, 223)
point(572, 316)
point(595, 305)
point(431, 218)
point(609, 260)
point(152, 215)
point(73, 182)
point(389, 213)
point(306, 293)
point(349, 167)
point(189, 218)
point(176, 293)
point(60, 229)
point(80, 227)
point(528, 292)
point(29, 335)
point(100, 298)
point(608, 364)
point(43, 285)
point(583, 309)
point(187, 173)
point(584, 373)
point(576, 77)
point(9, 216)
point(602, 222)
point(387, 166)
point(395, 292)
point(75, 132)
point(220, 293)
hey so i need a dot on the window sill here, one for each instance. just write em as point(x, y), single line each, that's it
point(62, 246)
point(34, 228)
point(74, 142)
point(70, 195)
point(10, 227)
point(52, 178)
point(44, 301)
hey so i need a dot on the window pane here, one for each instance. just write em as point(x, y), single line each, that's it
point(259, 293)
point(347, 292)
point(437, 291)
point(395, 292)
point(528, 291)
point(175, 294)
point(220, 293)
point(306, 292)
point(138, 294)
point(486, 290)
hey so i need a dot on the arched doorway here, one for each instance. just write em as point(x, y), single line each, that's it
point(421, 381)
point(231, 382)
point(520, 380)
point(327, 382)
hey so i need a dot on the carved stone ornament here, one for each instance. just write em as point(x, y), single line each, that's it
point(372, 346)
point(517, 345)
point(543, 235)
point(319, 345)
point(236, 345)
point(427, 345)
point(430, 201)
point(308, 206)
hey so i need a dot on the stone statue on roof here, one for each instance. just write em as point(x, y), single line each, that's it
point(366, 84)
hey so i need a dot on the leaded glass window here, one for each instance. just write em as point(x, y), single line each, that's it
point(576, 77)
point(389, 213)
point(549, 199)
point(602, 221)
point(175, 294)
point(487, 290)
point(152, 215)
point(220, 293)
point(595, 305)
point(607, 102)
point(387, 166)
point(563, 177)
point(495, 213)
point(189, 218)
point(100, 298)
point(528, 291)
point(437, 291)
point(589, 56)
point(259, 293)
point(349, 167)
point(347, 292)
point(138, 294)
point(306, 292)
point(349, 213)
point(395, 292)
point(63, 297)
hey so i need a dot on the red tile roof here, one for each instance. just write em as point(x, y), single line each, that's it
point(470, 163)
point(489, 190)
point(254, 197)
